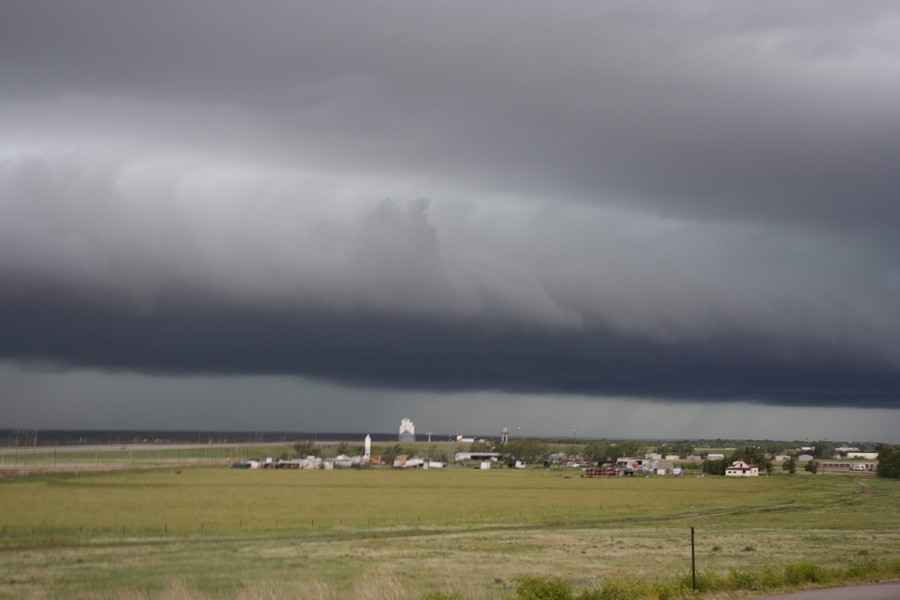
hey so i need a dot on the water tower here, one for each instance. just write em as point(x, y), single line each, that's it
point(504, 435)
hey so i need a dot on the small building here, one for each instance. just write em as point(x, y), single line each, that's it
point(665, 467)
point(805, 457)
point(476, 456)
point(715, 457)
point(310, 462)
point(863, 455)
point(741, 469)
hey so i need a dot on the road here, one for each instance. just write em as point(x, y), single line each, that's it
point(880, 591)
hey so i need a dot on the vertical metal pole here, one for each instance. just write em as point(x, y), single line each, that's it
point(693, 563)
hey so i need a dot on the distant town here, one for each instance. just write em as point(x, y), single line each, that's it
point(408, 450)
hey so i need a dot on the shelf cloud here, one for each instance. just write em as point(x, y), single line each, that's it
point(689, 201)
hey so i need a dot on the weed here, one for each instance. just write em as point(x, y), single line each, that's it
point(543, 588)
point(805, 572)
point(863, 570)
point(744, 580)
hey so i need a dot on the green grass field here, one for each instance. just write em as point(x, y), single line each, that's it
point(214, 532)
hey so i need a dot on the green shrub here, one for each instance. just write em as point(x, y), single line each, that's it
point(629, 587)
point(894, 567)
point(707, 581)
point(542, 588)
point(805, 572)
point(865, 570)
point(743, 580)
point(667, 590)
point(771, 578)
point(610, 589)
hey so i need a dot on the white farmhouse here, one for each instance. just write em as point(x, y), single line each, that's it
point(741, 469)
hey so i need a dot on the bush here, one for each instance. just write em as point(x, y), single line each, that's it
point(543, 588)
point(632, 587)
point(894, 567)
point(744, 580)
point(440, 596)
point(707, 581)
point(771, 578)
point(611, 589)
point(864, 570)
point(805, 572)
point(629, 587)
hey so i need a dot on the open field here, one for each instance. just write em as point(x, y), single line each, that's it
point(213, 532)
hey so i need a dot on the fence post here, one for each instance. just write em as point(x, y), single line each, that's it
point(693, 563)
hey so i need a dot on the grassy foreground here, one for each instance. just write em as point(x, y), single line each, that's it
point(219, 533)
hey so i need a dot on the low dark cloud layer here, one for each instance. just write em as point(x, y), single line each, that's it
point(688, 201)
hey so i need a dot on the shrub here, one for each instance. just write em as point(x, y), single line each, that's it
point(805, 572)
point(611, 589)
point(744, 580)
point(864, 570)
point(543, 588)
point(771, 578)
point(707, 581)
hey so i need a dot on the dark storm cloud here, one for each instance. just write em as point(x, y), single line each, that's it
point(373, 349)
point(689, 200)
point(701, 110)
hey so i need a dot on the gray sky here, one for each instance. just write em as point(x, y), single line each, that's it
point(605, 212)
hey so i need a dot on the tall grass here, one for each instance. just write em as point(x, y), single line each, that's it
point(767, 579)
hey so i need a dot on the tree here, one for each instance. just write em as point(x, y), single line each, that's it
point(714, 467)
point(679, 448)
point(790, 465)
point(341, 448)
point(823, 450)
point(812, 467)
point(434, 452)
point(775, 448)
point(596, 452)
point(391, 453)
point(525, 450)
point(484, 446)
point(623, 449)
point(888, 462)
point(304, 448)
